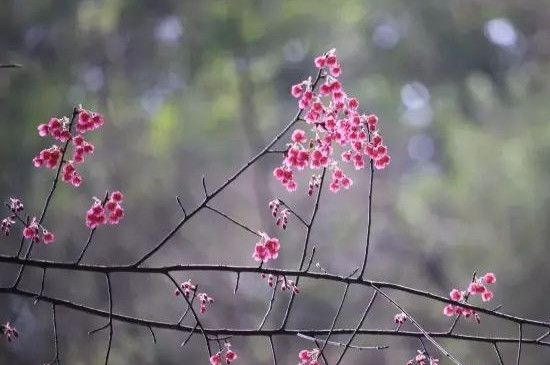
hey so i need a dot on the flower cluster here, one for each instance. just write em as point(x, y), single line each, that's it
point(9, 331)
point(286, 283)
point(422, 359)
point(266, 249)
point(477, 286)
point(204, 299)
point(334, 119)
point(32, 230)
point(60, 130)
point(6, 224)
point(309, 357)
point(400, 318)
point(188, 288)
point(227, 353)
point(100, 213)
point(282, 219)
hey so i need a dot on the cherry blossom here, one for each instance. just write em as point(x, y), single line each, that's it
point(9, 332)
point(268, 248)
point(400, 318)
point(422, 358)
point(477, 286)
point(111, 212)
point(334, 122)
point(309, 357)
point(227, 353)
point(60, 130)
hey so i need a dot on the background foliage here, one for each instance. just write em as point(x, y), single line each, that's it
point(196, 87)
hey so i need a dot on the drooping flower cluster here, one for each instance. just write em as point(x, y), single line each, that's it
point(286, 283)
point(60, 130)
point(477, 286)
point(204, 300)
point(226, 355)
point(334, 119)
point(422, 359)
point(268, 248)
point(32, 233)
point(188, 288)
point(309, 357)
point(109, 212)
point(31, 230)
point(9, 332)
point(282, 219)
point(400, 318)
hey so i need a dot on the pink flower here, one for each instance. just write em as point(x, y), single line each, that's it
point(43, 130)
point(216, 359)
point(260, 253)
point(230, 356)
point(489, 278)
point(487, 295)
point(48, 237)
point(449, 310)
point(297, 90)
point(299, 136)
point(455, 294)
point(268, 248)
point(476, 288)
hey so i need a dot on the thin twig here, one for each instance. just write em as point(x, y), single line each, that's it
point(305, 246)
point(110, 343)
point(357, 328)
point(226, 216)
point(369, 218)
point(500, 361)
point(520, 342)
point(270, 305)
point(340, 344)
point(420, 328)
point(181, 206)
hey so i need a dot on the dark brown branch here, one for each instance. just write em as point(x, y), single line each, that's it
point(267, 271)
point(357, 328)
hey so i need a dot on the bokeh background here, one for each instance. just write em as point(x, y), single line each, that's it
point(192, 88)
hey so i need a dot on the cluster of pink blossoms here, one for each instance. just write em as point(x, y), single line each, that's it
point(282, 219)
point(400, 318)
point(268, 248)
point(422, 359)
point(226, 355)
point(60, 130)
point(286, 283)
point(31, 230)
point(9, 332)
point(309, 357)
point(334, 119)
point(111, 211)
point(188, 288)
point(477, 286)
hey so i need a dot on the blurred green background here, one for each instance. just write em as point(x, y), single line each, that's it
point(198, 87)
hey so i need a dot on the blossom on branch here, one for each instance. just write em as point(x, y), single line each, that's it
point(334, 122)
